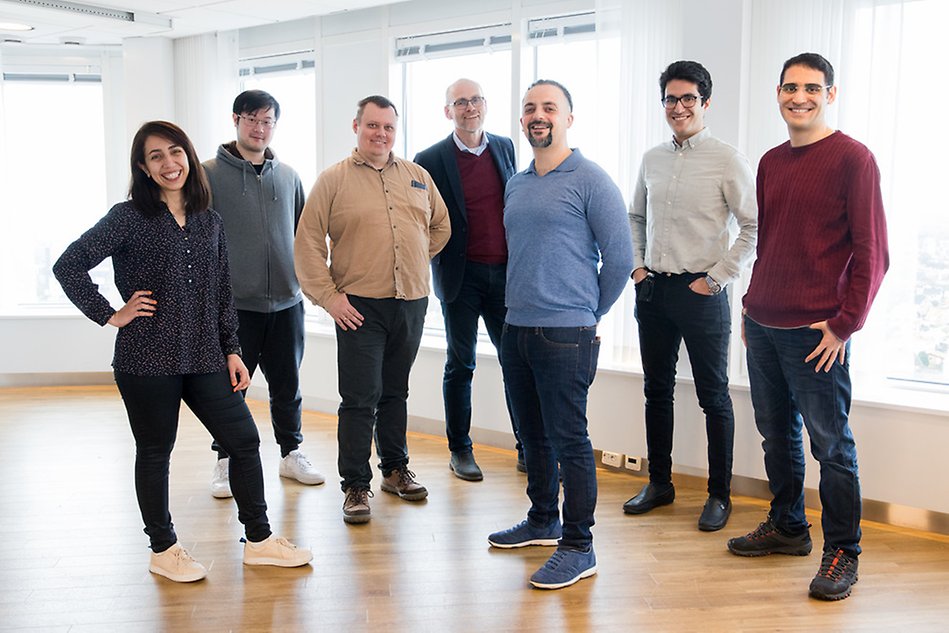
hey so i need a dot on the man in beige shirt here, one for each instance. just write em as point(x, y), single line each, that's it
point(385, 220)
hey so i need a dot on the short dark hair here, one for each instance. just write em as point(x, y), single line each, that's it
point(690, 71)
point(551, 82)
point(814, 61)
point(253, 100)
point(144, 193)
point(376, 100)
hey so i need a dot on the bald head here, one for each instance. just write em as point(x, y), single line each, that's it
point(468, 115)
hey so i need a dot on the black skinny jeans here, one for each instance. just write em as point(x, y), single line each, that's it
point(152, 403)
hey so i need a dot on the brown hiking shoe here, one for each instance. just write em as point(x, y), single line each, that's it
point(356, 505)
point(401, 481)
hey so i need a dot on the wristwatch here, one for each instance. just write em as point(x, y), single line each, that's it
point(713, 286)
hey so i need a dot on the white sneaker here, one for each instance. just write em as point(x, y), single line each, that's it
point(276, 551)
point(220, 481)
point(175, 563)
point(297, 466)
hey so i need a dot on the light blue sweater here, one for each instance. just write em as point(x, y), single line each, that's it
point(570, 252)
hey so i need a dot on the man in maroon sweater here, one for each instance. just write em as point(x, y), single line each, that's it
point(822, 254)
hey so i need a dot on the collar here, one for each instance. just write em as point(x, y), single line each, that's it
point(693, 141)
point(477, 151)
point(570, 163)
point(358, 159)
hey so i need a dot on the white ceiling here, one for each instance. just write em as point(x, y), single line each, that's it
point(188, 17)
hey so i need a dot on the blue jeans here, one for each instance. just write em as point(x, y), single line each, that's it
point(481, 296)
point(787, 394)
point(374, 361)
point(668, 312)
point(274, 340)
point(548, 371)
point(152, 403)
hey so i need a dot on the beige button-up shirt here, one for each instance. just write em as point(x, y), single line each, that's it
point(384, 226)
point(687, 201)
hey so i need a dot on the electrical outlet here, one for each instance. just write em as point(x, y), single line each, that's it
point(612, 459)
point(633, 463)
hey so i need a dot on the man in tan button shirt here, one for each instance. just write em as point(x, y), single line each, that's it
point(385, 220)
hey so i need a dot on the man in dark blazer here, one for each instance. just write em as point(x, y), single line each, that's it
point(471, 169)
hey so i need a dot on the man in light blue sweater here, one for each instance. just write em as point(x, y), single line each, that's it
point(569, 256)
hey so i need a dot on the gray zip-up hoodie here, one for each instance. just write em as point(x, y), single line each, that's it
point(260, 218)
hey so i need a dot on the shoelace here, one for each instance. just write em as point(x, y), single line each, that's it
point(834, 565)
point(406, 476)
point(359, 496)
point(555, 559)
point(284, 543)
point(763, 530)
point(182, 556)
point(303, 462)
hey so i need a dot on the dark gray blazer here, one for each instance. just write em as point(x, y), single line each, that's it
point(448, 267)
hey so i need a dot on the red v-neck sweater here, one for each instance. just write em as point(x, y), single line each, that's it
point(822, 245)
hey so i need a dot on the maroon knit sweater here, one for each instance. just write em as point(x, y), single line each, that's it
point(484, 206)
point(822, 247)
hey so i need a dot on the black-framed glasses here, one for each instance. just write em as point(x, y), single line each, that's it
point(463, 104)
point(811, 89)
point(689, 100)
point(253, 122)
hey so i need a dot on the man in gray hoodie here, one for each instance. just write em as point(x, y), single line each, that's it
point(260, 200)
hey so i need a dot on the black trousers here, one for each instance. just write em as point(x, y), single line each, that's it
point(374, 362)
point(152, 403)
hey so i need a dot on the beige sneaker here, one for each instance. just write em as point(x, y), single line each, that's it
point(401, 481)
point(220, 480)
point(356, 505)
point(276, 551)
point(296, 466)
point(175, 563)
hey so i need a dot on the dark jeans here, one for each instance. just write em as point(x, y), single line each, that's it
point(274, 340)
point(549, 371)
point(787, 394)
point(668, 312)
point(374, 363)
point(152, 403)
point(481, 296)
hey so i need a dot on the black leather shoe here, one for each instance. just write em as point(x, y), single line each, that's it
point(651, 496)
point(521, 464)
point(465, 467)
point(715, 514)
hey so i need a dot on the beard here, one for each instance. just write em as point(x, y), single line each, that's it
point(540, 142)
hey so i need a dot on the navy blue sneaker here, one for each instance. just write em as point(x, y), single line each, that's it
point(564, 568)
point(524, 534)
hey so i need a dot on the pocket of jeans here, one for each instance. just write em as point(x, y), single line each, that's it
point(594, 358)
point(561, 336)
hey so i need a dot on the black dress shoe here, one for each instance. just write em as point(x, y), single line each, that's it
point(465, 467)
point(651, 496)
point(715, 514)
point(521, 464)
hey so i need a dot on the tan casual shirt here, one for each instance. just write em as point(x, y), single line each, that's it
point(384, 226)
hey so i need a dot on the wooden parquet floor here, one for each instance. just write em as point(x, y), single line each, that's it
point(73, 557)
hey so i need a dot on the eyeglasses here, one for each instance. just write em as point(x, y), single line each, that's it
point(688, 101)
point(252, 123)
point(811, 89)
point(463, 104)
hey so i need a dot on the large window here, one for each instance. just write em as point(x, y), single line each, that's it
point(291, 81)
point(429, 65)
point(52, 182)
point(907, 334)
